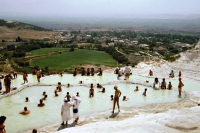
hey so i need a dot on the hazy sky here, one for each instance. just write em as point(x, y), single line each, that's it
point(98, 8)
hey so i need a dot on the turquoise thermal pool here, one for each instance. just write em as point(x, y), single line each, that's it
point(50, 113)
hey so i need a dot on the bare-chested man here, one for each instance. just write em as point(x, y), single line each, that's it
point(91, 92)
point(180, 85)
point(25, 75)
point(116, 98)
point(38, 74)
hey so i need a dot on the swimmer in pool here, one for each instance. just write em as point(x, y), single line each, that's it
point(44, 93)
point(26, 100)
point(25, 111)
point(116, 98)
point(136, 89)
point(145, 92)
point(125, 98)
point(41, 104)
point(103, 90)
point(111, 97)
point(77, 94)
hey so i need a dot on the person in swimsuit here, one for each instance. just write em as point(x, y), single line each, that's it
point(100, 72)
point(103, 90)
point(91, 92)
point(41, 104)
point(179, 74)
point(125, 98)
point(145, 92)
point(136, 89)
point(25, 75)
point(111, 98)
point(38, 74)
point(88, 71)
point(163, 84)
point(2, 126)
point(116, 98)
point(26, 99)
point(180, 85)
point(68, 96)
point(150, 72)
point(92, 71)
point(56, 94)
point(25, 111)
point(169, 87)
point(75, 72)
point(77, 94)
point(45, 97)
point(99, 86)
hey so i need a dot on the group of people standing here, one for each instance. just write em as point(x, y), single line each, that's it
point(88, 72)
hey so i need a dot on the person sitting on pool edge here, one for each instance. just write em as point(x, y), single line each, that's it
point(41, 104)
point(169, 87)
point(25, 111)
point(91, 92)
point(103, 90)
point(136, 89)
point(26, 99)
point(145, 91)
point(171, 75)
point(124, 98)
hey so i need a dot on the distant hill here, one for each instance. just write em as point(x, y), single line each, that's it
point(19, 25)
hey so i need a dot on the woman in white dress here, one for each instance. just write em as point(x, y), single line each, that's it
point(76, 101)
point(65, 111)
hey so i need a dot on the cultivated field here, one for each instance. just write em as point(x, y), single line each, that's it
point(70, 60)
point(46, 51)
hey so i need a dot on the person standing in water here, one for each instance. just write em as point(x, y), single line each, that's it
point(65, 111)
point(25, 75)
point(180, 85)
point(38, 74)
point(116, 98)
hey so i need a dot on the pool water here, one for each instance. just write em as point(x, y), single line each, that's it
point(50, 113)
